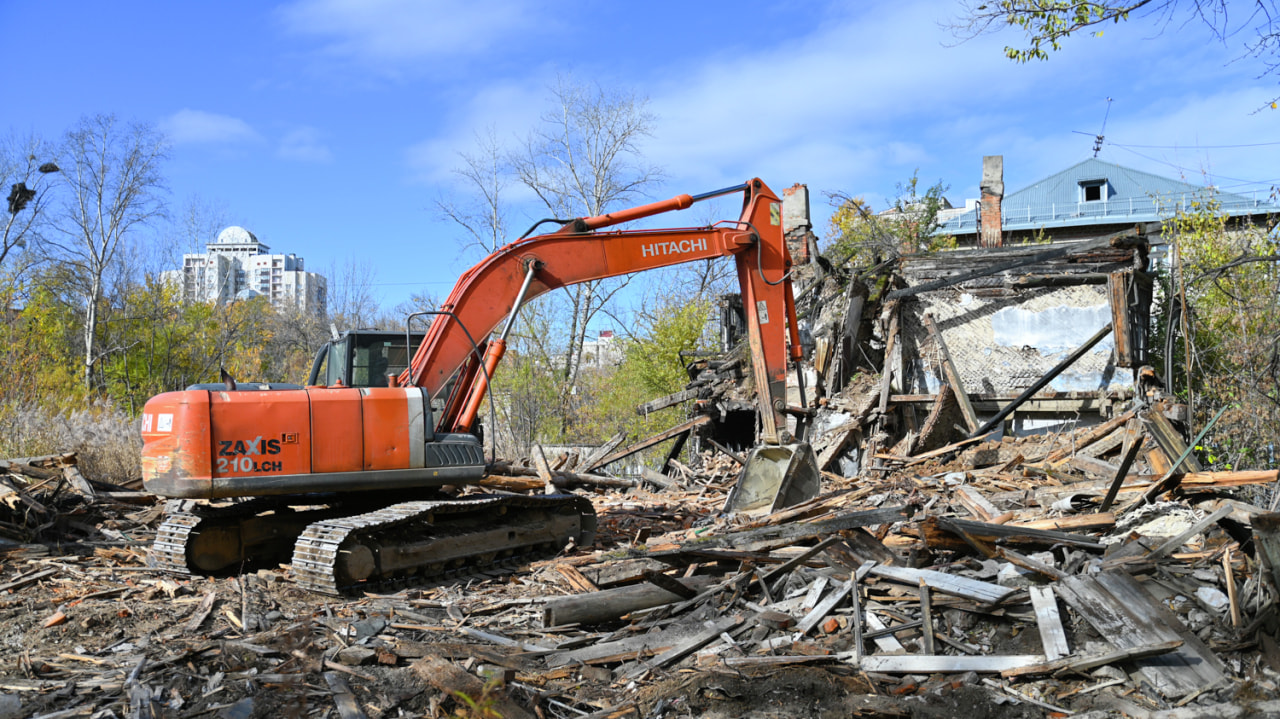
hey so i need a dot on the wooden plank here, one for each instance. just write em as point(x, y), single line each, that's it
point(814, 595)
point(1106, 444)
point(624, 571)
point(609, 604)
point(1011, 533)
point(78, 481)
point(799, 559)
point(1052, 636)
point(887, 367)
point(446, 677)
point(651, 441)
point(29, 579)
point(202, 611)
point(953, 375)
point(1266, 537)
point(603, 450)
point(343, 699)
point(1100, 520)
point(576, 579)
point(1093, 435)
point(768, 538)
point(1093, 467)
point(926, 618)
point(982, 592)
point(1133, 443)
point(978, 505)
point(626, 649)
point(687, 647)
point(886, 642)
point(1170, 441)
point(670, 400)
point(1093, 661)
point(944, 664)
point(1123, 612)
point(926, 456)
point(824, 607)
point(544, 469)
point(1030, 564)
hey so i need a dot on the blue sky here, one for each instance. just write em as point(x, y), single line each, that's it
point(330, 127)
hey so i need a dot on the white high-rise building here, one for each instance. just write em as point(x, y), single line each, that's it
point(238, 266)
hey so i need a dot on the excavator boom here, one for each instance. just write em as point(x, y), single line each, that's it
point(581, 252)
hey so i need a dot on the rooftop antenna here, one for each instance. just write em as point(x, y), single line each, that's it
point(1097, 141)
point(1098, 138)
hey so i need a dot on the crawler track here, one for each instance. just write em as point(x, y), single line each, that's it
point(433, 540)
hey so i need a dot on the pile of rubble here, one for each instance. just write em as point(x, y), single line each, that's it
point(983, 578)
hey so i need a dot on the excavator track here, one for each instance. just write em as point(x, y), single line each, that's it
point(197, 538)
point(424, 541)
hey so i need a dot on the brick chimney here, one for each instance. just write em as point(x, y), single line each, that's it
point(989, 208)
point(797, 226)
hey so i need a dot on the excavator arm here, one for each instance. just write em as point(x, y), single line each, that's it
point(582, 251)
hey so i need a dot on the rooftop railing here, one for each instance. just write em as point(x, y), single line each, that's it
point(1126, 210)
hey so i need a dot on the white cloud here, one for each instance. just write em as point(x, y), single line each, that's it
point(304, 144)
point(395, 35)
point(197, 126)
point(863, 99)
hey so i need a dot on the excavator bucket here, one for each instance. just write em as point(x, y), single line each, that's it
point(775, 476)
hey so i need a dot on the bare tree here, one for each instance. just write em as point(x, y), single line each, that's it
point(111, 171)
point(198, 223)
point(582, 160)
point(352, 302)
point(24, 168)
point(486, 172)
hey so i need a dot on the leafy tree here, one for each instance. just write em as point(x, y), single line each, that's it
point(652, 366)
point(1046, 23)
point(910, 226)
point(1230, 333)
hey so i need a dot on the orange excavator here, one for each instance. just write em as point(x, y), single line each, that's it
point(347, 471)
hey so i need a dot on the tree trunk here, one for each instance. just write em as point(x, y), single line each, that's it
point(91, 329)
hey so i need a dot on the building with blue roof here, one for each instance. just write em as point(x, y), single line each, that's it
point(1094, 197)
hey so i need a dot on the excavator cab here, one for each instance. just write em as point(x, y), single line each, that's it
point(362, 358)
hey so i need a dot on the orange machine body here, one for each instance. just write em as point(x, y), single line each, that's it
point(203, 443)
point(208, 444)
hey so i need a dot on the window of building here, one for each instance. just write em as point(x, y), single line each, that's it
point(1093, 190)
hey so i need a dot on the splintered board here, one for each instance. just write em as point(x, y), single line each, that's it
point(1128, 616)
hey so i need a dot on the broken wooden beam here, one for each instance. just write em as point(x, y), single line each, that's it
point(649, 442)
point(933, 526)
point(670, 400)
point(1133, 440)
point(610, 604)
point(1092, 435)
point(988, 270)
point(1266, 537)
point(953, 375)
point(448, 678)
point(1119, 609)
